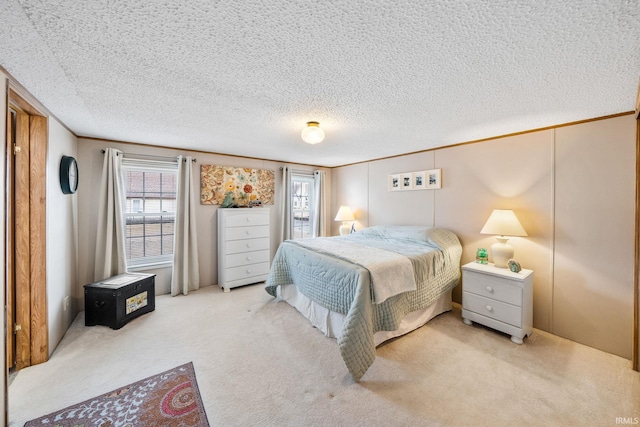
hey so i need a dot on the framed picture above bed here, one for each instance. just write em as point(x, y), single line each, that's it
point(394, 182)
point(433, 179)
point(420, 180)
point(406, 181)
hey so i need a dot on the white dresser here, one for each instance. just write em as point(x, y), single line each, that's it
point(243, 246)
point(498, 298)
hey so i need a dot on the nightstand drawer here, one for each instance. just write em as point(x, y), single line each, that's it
point(501, 311)
point(493, 287)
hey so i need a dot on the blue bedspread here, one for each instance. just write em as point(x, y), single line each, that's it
point(345, 286)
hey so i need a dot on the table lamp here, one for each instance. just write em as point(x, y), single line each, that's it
point(502, 222)
point(345, 215)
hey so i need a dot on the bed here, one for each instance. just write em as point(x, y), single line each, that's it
point(368, 286)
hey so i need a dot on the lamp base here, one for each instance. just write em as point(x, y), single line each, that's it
point(345, 228)
point(501, 252)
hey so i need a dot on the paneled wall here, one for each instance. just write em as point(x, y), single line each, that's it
point(594, 234)
point(573, 189)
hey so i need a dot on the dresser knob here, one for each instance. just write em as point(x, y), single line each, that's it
point(248, 271)
point(248, 232)
point(248, 219)
point(248, 245)
point(248, 258)
point(489, 289)
point(489, 308)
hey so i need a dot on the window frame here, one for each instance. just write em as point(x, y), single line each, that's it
point(148, 166)
point(310, 180)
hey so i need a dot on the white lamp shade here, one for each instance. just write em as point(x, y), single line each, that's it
point(312, 134)
point(345, 214)
point(504, 223)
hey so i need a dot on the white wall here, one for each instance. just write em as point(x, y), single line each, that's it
point(90, 159)
point(62, 237)
point(573, 189)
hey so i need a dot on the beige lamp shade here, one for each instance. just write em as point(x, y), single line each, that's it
point(345, 215)
point(502, 222)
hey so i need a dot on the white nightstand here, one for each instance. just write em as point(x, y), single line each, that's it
point(498, 298)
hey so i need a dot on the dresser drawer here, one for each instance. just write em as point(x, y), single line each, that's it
point(237, 246)
point(497, 310)
point(493, 287)
point(243, 272)
point(246, 258)
point(245, 219)
point(252, 232)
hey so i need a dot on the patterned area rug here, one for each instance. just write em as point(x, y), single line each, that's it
point(167, 399)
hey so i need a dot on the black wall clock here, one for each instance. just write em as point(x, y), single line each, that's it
point(68, 175)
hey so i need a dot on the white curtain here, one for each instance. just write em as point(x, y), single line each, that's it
point(318, 228)
point(111, 258)
point(285, 205)
point(185, 276)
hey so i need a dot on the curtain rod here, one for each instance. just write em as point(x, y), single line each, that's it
point(150, 156)
point(298, 171)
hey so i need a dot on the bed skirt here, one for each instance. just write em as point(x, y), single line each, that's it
point(330, 322)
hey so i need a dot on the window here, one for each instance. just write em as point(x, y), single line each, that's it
point(301, 205)
point(150, 211)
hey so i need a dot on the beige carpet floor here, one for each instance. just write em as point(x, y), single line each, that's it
point(258, 362)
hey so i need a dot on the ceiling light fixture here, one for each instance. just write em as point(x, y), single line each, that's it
point(312, 134)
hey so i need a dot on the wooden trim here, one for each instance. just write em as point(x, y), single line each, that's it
point(19, 103)
point(638, 102)
point(595, 119)
point(214, 153)
point(9, 243)
point(32, 340)
point(38, 238)
point(635, 353)
point(635, 358)
point(22, 257)
point(579, 122)
point(36, 108)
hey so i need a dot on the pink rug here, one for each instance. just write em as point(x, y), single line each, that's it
point(167, 399)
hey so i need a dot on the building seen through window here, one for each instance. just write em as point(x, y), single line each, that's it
point(150, 211)
point(301, 205)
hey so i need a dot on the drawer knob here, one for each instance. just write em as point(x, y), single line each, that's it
point(489, 308)
point(248, 245)
point(248, 258)
point(489, 289)
point(248, 219)
point(248, 270)
point(248, 232)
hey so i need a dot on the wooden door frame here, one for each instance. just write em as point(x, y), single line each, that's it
point(635, 359)
point(31, 298)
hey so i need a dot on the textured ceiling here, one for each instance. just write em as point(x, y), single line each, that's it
point(381, 77)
